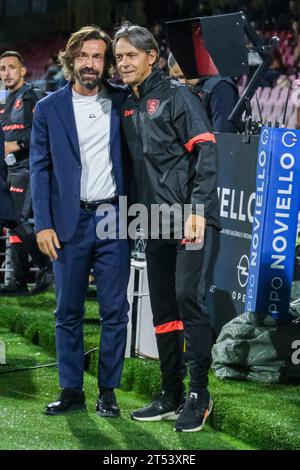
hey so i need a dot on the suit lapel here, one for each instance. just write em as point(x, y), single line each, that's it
point(64, 108)
point(115, 144)
point(115, 118)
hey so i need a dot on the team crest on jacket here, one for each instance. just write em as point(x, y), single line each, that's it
point(19, 104)
point(152, 106)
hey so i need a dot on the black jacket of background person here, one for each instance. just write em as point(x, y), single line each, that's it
point(16, 120)
point(7, 210)
point(172, 147)
point(219, 96)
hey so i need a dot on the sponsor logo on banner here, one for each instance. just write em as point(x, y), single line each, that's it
point(234, 205)
point(275, 223)
point(243, 271)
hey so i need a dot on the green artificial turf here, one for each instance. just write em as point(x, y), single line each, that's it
point(24, 426)
point(33, 318)
point(264, 416)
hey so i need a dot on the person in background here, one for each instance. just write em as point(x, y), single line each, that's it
point(16, 120)
point(276, 70)
point(219, 96)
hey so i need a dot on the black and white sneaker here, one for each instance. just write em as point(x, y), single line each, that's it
point(163, 407)
point(195, 412)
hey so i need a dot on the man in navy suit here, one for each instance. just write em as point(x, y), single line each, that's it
point(76, 167)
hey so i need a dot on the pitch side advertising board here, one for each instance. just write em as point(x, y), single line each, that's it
point(236, 188)
point(274, 227)
point(259, 196)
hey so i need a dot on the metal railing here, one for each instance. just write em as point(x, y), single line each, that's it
point(6, 269)
point(6, 265)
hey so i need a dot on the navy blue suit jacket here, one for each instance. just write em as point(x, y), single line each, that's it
point(55, 163)
point(7, 208)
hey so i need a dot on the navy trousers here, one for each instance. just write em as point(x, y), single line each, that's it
point(110, 262)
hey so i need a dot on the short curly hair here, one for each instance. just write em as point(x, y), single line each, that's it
point(74, 45)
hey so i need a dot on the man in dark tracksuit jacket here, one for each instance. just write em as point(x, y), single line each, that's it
point(16, 120)
point(8, 214)
point(174, 159)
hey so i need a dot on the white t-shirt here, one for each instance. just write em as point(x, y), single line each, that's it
point(92, 116)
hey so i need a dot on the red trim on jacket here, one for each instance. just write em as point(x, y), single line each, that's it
point(13, 239)
point(168, 327)
point(206, 137)
point(13, 127)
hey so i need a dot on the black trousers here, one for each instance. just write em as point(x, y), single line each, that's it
point(178, 282)
point(19, 181)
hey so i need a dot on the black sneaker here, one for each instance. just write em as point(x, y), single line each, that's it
point(194, 413)
point(70, 399)
point(163, 407)
point(43, 282)
point(107, 404)
point(13, 289)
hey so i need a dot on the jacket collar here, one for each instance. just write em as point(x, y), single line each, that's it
point(24, 87)
point(152, 81)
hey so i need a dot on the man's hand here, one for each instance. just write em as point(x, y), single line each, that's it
point(11, 147)
point(194, 228)
point(47, 241)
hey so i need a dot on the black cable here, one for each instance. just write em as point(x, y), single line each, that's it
point(259, 109)
point(42, 366)
point(286, 105)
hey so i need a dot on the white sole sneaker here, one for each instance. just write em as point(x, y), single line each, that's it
point(171, 416)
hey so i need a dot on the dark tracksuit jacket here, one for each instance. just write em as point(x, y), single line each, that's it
point(16, 111)
point(174, 159)
point(172, 147)
point(16, 120)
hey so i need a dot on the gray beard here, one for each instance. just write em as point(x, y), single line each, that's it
point(89, 84)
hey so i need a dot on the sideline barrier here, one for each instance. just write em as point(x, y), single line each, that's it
point(236, 188)
point(226, 299)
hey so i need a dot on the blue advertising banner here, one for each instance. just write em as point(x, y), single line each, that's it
point(274, 226)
